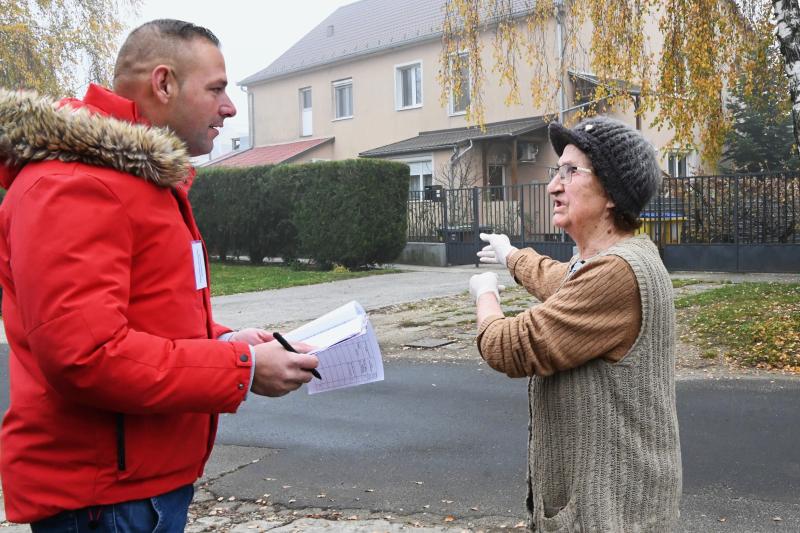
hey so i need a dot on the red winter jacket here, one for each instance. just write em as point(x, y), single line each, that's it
point(114, 378)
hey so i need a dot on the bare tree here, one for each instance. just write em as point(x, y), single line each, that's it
point(460, 172)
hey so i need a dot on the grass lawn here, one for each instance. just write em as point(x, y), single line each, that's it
point(755, 324)
point(232, 278)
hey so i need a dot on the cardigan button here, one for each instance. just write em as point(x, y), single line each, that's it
point(241, 386)
point(243, 358)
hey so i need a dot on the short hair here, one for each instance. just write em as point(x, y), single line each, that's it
point(156, 40)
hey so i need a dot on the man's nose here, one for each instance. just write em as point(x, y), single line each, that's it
point(227, 109)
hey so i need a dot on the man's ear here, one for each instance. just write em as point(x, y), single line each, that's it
point(163, 83)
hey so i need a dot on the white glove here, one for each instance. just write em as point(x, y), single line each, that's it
point(498, 249)
point(482, 283)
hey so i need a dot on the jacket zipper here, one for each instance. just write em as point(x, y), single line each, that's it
point(120, 441)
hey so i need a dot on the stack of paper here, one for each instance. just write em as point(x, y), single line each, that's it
point(346, 346)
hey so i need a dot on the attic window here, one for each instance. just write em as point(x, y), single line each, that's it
point(329, 31)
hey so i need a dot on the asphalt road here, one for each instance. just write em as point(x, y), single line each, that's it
point(452, 437)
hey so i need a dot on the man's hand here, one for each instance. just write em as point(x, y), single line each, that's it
point(498, 249)
point(483, 283)
point(279, 372)
point(251, 336)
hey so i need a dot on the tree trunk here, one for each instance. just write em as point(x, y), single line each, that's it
point(787, 30)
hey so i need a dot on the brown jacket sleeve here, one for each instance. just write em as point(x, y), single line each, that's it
point(540, 275)
point(596, 313)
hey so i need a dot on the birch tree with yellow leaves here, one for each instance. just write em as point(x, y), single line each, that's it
point(673, 58)
point(57, 46)
point(787, 30)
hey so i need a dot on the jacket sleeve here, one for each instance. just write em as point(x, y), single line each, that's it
point(71, 248)
point(540, 275)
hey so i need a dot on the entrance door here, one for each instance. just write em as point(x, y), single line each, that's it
point(497, 182)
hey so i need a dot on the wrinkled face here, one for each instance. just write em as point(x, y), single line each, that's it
point(201, 105)
point(580, 205)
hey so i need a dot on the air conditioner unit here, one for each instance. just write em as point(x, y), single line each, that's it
point(527, 151)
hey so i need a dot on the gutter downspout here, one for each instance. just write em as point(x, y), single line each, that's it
point(458, 155)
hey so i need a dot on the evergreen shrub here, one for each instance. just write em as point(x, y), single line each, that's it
point(352, 212)
point(349, 212)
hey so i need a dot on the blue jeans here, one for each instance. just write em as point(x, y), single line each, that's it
point(160, 514)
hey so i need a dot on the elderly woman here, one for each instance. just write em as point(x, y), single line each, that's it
point(603, 450)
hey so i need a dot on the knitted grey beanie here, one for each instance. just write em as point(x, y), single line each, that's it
point(621, 157)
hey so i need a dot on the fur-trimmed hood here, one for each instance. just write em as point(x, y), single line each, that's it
point(34, 128)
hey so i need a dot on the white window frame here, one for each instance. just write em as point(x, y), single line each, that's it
point(451, 105)
point(674, 160)
point(422, 158)
point(398, 85)
point(347, 82)
point(306, 112)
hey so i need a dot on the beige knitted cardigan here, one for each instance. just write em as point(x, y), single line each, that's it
point(604, 453)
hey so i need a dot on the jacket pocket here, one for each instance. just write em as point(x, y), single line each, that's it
point(161, 446)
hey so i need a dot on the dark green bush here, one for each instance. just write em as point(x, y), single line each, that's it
point(352, 212)
point(348, 212)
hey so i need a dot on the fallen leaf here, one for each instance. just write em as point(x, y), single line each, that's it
point(449, 518)
point(354, 517)
point(473, 508)
point(231, 498)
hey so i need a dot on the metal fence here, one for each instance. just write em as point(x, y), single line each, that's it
point(741, 210)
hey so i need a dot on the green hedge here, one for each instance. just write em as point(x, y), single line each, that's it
point(349, 212)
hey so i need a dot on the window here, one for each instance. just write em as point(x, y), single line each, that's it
point(408, 86)
point(497, 181)
point(460, 102)
point(420, 176)
point(305, 112)
point(343, 98)
point(677, 164)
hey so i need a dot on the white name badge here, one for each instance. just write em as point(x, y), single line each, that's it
point(200, 279)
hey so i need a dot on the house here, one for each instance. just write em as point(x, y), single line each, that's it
point(363, 83)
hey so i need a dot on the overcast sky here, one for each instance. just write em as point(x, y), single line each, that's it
point(252, 33)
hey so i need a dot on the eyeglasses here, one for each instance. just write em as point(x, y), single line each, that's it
point(564, 172)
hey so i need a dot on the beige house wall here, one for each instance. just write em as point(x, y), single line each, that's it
point(376, 121)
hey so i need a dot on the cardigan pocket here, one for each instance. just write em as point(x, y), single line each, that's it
point(565, 520)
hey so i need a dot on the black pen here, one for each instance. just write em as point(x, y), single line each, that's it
point(288, 347)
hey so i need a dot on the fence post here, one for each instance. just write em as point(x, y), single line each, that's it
point(475, 226)
point(445, 223)
point(736, 217)
point(522, 215)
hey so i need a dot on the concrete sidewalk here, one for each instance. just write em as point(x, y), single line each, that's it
point(299, 304)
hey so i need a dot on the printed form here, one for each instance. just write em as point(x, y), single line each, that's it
point(347, 348)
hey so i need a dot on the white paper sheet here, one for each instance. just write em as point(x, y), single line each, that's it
point(347, 348)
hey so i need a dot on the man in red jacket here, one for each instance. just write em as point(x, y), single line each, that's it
point(117, 368)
